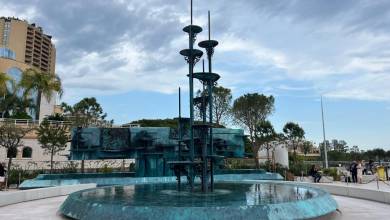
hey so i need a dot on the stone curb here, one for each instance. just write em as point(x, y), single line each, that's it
point(8, 198)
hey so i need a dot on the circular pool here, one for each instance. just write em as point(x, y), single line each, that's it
point(266, 200)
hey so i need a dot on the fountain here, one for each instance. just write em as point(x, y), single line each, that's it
point(193, 150)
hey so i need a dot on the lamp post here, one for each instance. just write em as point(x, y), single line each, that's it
point(323, 133)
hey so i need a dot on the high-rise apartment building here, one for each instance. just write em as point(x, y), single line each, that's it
point(26, 43)
point(22, 46)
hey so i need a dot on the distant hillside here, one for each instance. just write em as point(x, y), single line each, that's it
point(168, 122)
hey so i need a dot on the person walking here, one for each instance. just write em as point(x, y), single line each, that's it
point(353, 170)
point(2, 176)
point(359, 172)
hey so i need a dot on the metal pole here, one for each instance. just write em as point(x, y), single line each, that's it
point(191, 70)
point(323, 132)
point(210, 89)
point(179, 126)
point(204, 144)
point(180, 139)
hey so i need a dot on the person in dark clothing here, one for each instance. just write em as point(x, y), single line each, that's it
point(315, 174)
point(353, 170)
point(2, 175)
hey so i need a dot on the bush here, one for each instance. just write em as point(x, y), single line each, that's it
point(13, 177)
point(106, 169)
point(299, 167)
point(331, 172)
point(240, 164)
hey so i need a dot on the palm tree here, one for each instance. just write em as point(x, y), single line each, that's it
point(43, 83)
point(4, 79)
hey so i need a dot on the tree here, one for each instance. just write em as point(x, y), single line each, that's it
point(43, 83)
point(11, 136)
point(265, 134)
point(294, 134)
point(4, 79)
point(53, 138)
point(249, 110)
point(307, 146)
point(13, 106)
point(87, 112)
point(222, 99)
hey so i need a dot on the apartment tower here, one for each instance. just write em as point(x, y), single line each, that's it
point(22, 46)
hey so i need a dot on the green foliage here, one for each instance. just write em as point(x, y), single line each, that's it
point(87, 112)
point(20, 115)
point(132, 167)
point(222, 99)
point(11, 137)
point(56, 117)
point(307, 146)
point(236, 163)
point(294, 134)
point(53, 138)
point(4, 79)
point(13, 177)
point(70, 168)
point(298, 167)
point(168, 122)
point(251, 109)
point(13, 106)
point(331, 172)
point(106, 169)
point(44, 83)
point(248, 146)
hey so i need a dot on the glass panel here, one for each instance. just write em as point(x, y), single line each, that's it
point(7, 53)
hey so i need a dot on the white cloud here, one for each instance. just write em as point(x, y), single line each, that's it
point(27, 13)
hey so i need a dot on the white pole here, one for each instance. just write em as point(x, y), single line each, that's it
point(323, 132)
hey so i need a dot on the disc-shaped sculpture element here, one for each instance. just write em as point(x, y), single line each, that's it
point(194, 28)
point(195, 53)
point(206, 77)
point(208, 44)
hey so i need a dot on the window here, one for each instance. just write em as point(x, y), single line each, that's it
point(7, 53)
point(12, 152)
point(7, 29)
point(27, 152)
point(16, 74)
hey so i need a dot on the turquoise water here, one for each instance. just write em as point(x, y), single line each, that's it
point(230, 200)
point(225, 194)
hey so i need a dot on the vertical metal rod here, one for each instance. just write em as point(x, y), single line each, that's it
point(204, 140)
point(179, 126)
point(323, 133)
point(210, 91)
point(191, 12)
point(191, 82)
point(209, 25)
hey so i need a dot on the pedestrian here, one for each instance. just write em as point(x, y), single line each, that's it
point(315, 174)
point(353, 170)
point(2, 176)
point(359, 172)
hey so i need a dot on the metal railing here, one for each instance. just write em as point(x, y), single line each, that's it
point(30, 122)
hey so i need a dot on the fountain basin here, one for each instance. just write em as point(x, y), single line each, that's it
point(230, 200)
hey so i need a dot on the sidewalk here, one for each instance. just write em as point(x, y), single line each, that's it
point(383, 186)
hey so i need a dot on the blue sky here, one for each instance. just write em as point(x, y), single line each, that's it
point(126, 54)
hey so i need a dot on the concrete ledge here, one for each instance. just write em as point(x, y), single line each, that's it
point(8, 198)
point(309, 179)
point(350, 191)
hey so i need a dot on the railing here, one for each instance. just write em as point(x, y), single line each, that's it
point(30, 122)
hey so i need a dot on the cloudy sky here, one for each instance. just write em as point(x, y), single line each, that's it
point(126, 54)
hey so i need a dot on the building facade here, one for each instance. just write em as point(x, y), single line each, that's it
point(23, 46)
